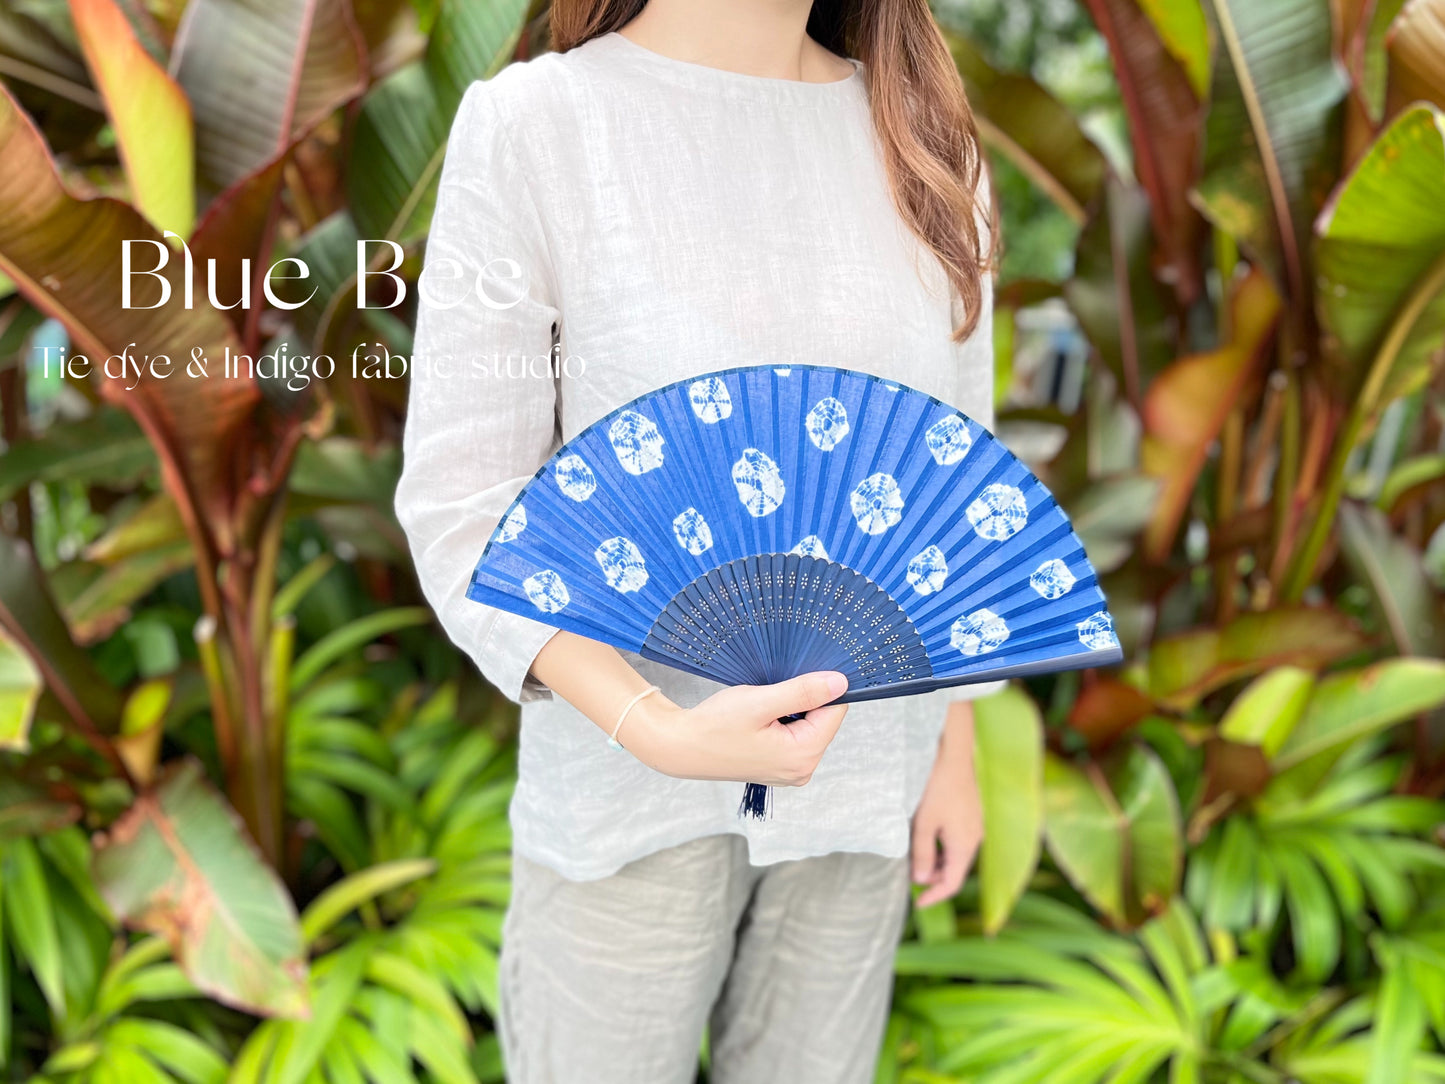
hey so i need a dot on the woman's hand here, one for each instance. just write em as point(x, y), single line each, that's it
point(732, 735)
point(735, 734)
point(948, 825)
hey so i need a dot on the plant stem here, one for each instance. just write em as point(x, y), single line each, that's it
point(1285, 476)
point(1226, 569)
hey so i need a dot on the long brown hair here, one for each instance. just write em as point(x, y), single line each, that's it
point(925, 127)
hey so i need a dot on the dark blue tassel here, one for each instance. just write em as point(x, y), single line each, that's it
point(757, 801)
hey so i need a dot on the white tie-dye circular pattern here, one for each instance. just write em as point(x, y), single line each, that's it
point(877, 503)
point(622, 564)
point(999, 512)
point(812, 546)
point(1052, 579)
point(1097, 632)
point(513, 524)
point(979, 632)
point(546, 590)
point(759, 482)
point(710, 400)
point(574, 477)
point(827, 423)
point(928, 571)
point(636, 441)
point(692, 532)
point(948, 440)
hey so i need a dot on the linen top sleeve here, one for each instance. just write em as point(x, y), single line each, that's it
point(481, 416)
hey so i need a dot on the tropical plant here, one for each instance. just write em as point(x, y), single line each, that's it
point(1255, 469)
point(252, 822)
point(191, 476)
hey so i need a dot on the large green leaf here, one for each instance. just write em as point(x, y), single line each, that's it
point(178, 863)
point(1109, 514)
point(1032, 129)
point(20, 686)
point(50, 57)
point(102, 604)
point(147, 110)
point(1407, 602)
point(346, 469)
point(401, 132)
point(1053, 998)
point(32, 918)
point(105, 447)
point(28, 614)
point(1184, 667)
point(1184, 30)
point(1380, 262)
point(1369, 62)
point(1115, 831)
point(1268, 709)
point(397, 150)
point(1350, 705)
point(258, 72)
point(1008, 762)
point(1271, 133)
point(471, 41)
point(1324, 844)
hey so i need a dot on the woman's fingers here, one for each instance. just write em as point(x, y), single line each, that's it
point(800, 694)
point(924, 850)
point(945, 856)
point(735, 733)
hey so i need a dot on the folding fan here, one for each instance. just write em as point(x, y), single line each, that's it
point(758, 523)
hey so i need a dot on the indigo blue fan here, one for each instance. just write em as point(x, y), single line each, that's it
point(760, 523)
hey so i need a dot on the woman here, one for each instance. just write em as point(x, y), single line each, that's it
point(681, 187)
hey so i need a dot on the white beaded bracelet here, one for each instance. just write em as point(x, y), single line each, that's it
point(622, 718)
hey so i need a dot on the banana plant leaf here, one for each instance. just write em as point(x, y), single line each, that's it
point(1186, 407)
point(401, 132)
point(1026, 124)
point(1164, 107)
point(65, 254)
point(1272, 133)
point(257, 72)
point(148, 111)
point(178, 863)
point(1381, 261)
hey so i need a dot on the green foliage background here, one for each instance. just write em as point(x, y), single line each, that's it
point(253, 803)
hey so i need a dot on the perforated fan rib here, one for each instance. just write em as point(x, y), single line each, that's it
point(768, 617)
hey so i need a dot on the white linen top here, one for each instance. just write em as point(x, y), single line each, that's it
point(667, 219)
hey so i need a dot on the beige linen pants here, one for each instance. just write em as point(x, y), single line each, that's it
point(790, 966)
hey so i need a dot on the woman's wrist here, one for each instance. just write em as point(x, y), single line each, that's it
point(651, 730)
